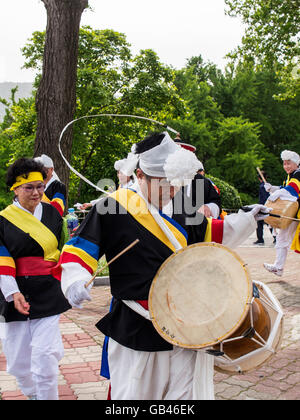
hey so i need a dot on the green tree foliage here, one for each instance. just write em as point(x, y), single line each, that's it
point(272, 38)
point(230, 196)
point(238, 153)
point(230, 147)
point(17, 133)
point(252, 93)
point(272, 32)
point(237, 119)
point(110, 80)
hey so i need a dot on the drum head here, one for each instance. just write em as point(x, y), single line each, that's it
point(200, 295)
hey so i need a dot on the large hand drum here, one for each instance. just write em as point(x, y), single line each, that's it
point(200, 296)
point(283, 208)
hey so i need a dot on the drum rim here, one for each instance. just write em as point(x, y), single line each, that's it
point(228, 333)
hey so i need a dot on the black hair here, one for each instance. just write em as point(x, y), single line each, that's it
point(152, 140)
point(23, 166)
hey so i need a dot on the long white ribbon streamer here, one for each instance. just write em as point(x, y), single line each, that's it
point(97, 116)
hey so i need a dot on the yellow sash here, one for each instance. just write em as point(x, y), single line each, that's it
point(137, 207)
point(296, 241)
point(45, 199)
point(36, 229)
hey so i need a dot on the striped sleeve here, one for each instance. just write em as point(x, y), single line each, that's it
point(59, 203)
point(292, 184)
point(56, 196)
point(81, 251)
point(293, 187)
point(7, 263)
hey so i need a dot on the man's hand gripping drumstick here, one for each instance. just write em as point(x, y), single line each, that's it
point(112, 260)
point(79, 290)
point(249, 208)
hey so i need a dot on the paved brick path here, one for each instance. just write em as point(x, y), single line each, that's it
point(279, 379)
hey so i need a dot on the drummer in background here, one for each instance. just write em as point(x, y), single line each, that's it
point(211, 206)
point(55, 191)
point(142, 365)
point(290, 191)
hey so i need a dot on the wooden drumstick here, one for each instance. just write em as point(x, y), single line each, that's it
point(261, 175)
point(246, 209)
point(112, 260)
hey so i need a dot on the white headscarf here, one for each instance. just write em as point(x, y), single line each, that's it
point(47, 162)
point(123, 166)
point(289, 155)
point(167, 160)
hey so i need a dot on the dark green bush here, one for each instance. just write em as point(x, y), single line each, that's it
point(229, 195)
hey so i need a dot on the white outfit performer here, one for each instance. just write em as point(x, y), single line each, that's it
point(290, 192)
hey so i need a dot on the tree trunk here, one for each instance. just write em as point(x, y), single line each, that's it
point(56, 96)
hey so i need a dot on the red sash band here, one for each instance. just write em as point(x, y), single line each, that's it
point(143, 303)
point(33, 266)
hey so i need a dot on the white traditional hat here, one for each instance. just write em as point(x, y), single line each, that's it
point(45, 160)
point(290, 155)
point(119, 164)
point(167, 160)
point(125, 165)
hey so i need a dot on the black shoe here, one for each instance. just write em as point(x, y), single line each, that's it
point(259, 242)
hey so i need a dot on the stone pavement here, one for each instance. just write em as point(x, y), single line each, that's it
point(279, 379)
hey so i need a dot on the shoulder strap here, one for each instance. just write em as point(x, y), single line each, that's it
point(36, 229)
point(136, 206)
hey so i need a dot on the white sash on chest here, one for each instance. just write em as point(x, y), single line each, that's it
point(160, 221)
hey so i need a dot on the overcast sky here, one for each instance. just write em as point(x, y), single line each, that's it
point(175, 29)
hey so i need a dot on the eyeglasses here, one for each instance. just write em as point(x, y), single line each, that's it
point(30, 188)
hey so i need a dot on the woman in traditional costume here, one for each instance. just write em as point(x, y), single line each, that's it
point(29, 235)
point(142, 365)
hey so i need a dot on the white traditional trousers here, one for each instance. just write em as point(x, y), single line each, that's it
point(284, 239)
point(33, 349)
point(163, 375)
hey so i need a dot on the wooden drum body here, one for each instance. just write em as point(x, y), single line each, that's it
point(243, 352)
point(283, 208)
point(257, 323)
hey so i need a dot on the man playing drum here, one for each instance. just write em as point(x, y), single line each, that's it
point(143, 366)
point(289, 191)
